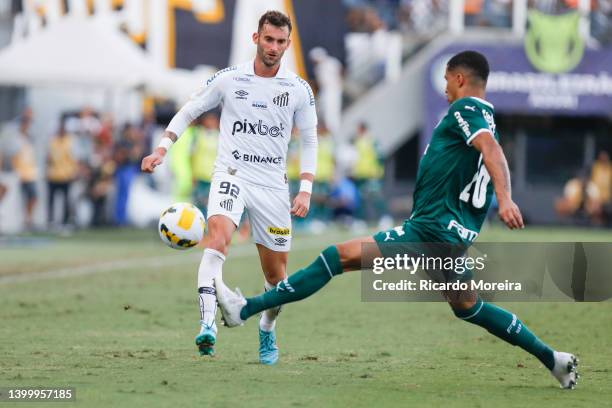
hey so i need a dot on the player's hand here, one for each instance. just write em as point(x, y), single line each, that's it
point(510, 214)
point(301, 204)
point(153, 160)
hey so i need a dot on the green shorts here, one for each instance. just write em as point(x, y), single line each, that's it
point(416, 240)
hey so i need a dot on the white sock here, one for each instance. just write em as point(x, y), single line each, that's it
point(267, 322)
point(210, 268)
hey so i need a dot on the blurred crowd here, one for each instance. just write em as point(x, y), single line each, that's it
point(587, 197)
point(88, 161)
point(90, 165)
point(427, 16)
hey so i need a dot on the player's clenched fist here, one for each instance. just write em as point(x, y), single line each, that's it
point(510, 214)
point(153, 160)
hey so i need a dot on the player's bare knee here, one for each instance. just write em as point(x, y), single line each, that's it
point(349, 258)
point(461, 300)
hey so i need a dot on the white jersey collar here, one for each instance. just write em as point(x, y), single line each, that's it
point(282, 72)
point(489, 104)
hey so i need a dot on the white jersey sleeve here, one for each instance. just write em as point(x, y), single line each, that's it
point(305, 119)
point(206, 98)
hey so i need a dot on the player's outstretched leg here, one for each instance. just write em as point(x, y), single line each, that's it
point(210, 266)
point(509, 328)
point(236, 309)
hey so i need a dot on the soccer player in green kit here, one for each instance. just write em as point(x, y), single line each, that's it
point(452, 195)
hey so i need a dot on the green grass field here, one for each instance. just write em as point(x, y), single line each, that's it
point(114, 314)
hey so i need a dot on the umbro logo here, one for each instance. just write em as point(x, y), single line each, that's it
point(282, 100)
point(227, 204)
point(280, 241)
point(241, 94)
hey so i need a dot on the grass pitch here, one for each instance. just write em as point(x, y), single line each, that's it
point(114, 314)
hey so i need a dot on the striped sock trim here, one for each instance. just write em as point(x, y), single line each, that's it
point(475, 313)
point(331, 275)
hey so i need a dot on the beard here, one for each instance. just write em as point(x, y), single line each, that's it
point(267, 60)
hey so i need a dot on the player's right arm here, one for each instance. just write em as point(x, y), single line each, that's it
point(207, 98)
point(495, 161)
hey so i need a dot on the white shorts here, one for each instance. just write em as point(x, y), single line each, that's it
point(269, 210)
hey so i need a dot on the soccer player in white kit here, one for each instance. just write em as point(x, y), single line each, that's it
point(261, 102)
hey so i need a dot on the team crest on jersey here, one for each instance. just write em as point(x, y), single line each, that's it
point(281, 100)
point(227, 204)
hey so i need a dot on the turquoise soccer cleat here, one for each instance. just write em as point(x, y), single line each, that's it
point(268, 350)
point(206, 339)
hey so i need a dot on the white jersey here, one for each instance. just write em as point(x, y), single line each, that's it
point(257, 117)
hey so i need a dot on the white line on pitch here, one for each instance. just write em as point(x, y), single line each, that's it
point(148, 262)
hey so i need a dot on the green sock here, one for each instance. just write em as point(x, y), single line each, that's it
point(298, 286)
point(509, 328)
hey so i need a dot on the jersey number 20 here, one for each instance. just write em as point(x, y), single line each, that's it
point(479, 195)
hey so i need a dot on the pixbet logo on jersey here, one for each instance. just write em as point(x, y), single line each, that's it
point(258, 128)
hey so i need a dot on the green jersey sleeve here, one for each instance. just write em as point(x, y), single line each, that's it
point(469, 120)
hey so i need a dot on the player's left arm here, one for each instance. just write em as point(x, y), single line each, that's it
point(305, 118)
point(495, 161)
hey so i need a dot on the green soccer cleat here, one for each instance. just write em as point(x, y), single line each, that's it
point(206, 339)
point(268, 350)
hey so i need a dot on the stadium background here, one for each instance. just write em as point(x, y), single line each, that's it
point(115, 71)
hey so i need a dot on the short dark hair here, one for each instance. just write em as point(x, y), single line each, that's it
point(276, 18)
point(473, 61)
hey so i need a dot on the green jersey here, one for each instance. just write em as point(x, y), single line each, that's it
point(453, 189)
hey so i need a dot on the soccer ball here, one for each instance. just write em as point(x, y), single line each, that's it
point(181, 226)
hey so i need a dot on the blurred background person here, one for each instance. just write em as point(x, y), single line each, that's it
point(62, 170)
point(344, 201)
point(320, 211)
point(23, 160)
point(600, 183)
point(181, 166)
point(368, 172)
point(205, 143)
point(128, 152)
point(328, 74)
